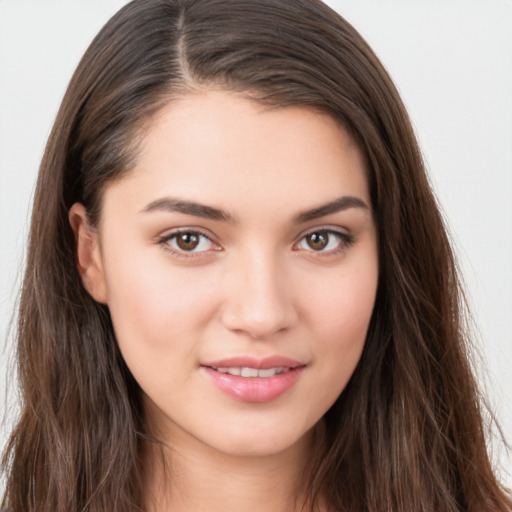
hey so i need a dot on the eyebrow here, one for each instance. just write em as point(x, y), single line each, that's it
point(171, 204)
point(195, 209)
point(338, 205)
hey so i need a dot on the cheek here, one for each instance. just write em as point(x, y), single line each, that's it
point(343, 306)
point(340, 313)
point(156, 311)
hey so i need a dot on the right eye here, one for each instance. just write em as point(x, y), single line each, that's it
point(188, 241)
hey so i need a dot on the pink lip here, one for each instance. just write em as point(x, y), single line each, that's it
point(254, 362)
point(255, 389)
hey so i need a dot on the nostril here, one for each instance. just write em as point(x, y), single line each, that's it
point(258, 324)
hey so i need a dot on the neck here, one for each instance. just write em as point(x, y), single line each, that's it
point(192, 477)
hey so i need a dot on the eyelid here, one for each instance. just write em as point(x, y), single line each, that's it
point(347, 239)
point(169, 235)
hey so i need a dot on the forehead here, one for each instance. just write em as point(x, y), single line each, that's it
point(219, 148)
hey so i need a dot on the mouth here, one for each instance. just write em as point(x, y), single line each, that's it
point(251, 373)
point(254, 380)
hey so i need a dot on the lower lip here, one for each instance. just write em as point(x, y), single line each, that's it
point(254, 389)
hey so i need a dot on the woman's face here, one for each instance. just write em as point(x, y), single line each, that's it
point(239, 263)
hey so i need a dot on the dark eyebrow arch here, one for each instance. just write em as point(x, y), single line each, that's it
point(170, 204)
point(338, 205)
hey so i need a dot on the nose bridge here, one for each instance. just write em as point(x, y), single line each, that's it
point(258, 300)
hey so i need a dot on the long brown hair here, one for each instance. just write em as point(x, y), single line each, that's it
point(406, 433)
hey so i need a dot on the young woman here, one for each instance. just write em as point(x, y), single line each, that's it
point(239, 291)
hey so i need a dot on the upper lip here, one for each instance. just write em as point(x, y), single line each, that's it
point(255, 362)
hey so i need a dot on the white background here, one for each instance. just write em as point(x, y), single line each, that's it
point(452, 62)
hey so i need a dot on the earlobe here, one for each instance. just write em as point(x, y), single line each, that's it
point(88, 254)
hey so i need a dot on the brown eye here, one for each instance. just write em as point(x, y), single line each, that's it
point(324, 241)
point(318, 240)
point(187, 241)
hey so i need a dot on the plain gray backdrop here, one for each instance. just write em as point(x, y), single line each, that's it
point(452, 62)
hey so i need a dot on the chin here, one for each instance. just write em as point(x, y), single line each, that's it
point(261, 442)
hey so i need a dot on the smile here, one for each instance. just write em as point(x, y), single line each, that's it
point(256, 385)
point(252, 373)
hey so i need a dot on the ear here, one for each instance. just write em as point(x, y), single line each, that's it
point(88, 254)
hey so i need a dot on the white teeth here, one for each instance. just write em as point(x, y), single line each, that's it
point(270, 372)
point(249, 372)
point(252, 372)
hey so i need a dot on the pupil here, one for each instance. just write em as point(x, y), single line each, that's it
point(318, 241)
point(188, 241)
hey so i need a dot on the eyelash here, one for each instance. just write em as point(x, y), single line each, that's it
point(164, 242)
point(345, 241)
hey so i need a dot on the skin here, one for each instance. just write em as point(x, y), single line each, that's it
point(257, 286)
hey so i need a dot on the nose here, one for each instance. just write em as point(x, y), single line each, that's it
point(258, 302)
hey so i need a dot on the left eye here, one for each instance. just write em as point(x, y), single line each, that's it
point(321, 241)
point(189, 241)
